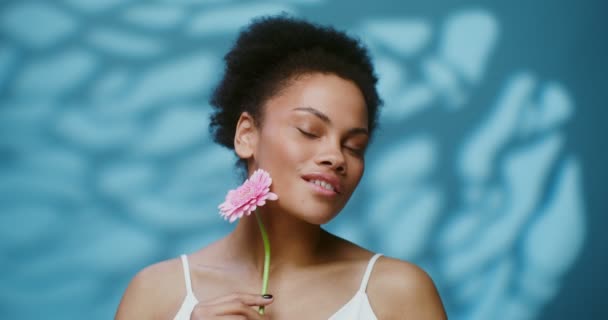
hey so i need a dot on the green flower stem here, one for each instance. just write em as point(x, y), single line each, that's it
point(266, 259)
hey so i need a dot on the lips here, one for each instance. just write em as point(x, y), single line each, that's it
point(327, 181)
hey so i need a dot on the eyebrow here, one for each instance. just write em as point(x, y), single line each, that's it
point(326, 119)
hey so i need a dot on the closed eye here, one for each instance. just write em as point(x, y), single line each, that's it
point(356, 151)
point(307, 134)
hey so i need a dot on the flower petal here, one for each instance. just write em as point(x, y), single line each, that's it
point(243, 200)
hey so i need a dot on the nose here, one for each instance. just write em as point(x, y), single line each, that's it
point(333, 159)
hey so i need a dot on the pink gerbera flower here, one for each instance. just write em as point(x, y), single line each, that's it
point(243, 200)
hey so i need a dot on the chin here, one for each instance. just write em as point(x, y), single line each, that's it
point(318, 216)
point(319, 219)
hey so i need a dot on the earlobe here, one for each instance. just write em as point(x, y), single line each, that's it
point(245, 136)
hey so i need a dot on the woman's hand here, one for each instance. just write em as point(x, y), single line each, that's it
point(233, 306)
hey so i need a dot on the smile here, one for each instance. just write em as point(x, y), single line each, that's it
point(322, 188)
point(323, 184)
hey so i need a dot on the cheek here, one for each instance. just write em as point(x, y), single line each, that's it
point(281, 151)
point(357, 170)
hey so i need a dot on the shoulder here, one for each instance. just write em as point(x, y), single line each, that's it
point(399, 289)
point(154, 292)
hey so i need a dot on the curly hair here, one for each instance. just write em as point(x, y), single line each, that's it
point(272, 51)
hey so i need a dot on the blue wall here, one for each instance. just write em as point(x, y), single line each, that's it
point(488, 170)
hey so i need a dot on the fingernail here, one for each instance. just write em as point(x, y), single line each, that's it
point(267, 296)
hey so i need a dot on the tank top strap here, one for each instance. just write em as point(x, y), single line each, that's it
point(187, 274)
point(368, 271)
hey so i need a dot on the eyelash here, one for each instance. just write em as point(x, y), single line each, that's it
point(356, 152)
point(307, 134)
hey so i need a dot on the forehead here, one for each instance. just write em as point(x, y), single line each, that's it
point(340, 99)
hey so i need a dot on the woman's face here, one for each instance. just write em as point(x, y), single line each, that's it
point(312, 142)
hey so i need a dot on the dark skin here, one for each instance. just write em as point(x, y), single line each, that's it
point(316, 125)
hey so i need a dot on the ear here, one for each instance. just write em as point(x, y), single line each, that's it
point(245, 137)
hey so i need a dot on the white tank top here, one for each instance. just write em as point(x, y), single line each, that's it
point(357, 308)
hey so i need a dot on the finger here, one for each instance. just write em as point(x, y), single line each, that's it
point(225, 311)
point(245, 298)
point(230, 317)
point(236, 308)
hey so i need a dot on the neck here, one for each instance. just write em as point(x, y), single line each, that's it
point(293, 242)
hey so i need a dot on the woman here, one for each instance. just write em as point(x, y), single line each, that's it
point(299, 101)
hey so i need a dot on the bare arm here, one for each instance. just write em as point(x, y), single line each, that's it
point(402, 290)
point(157, 292)
point(152, 293)
point(424, 300)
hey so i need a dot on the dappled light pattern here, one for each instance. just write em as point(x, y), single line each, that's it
point(107, 164)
